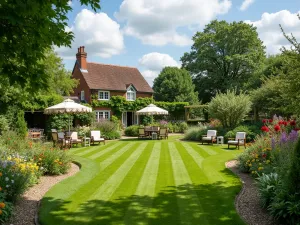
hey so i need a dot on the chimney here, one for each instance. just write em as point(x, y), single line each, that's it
point(81, 58)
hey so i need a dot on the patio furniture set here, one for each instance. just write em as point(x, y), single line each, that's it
point(68, 139)
point(36, 134)
point(153, 132)
point(211, 137)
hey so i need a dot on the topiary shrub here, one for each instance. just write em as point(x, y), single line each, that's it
point(230, 108)
point(132, 131)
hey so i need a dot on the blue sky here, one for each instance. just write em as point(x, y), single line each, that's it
point(151, 34)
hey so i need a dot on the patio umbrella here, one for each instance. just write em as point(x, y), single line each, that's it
point(151, 110)
point(67, 106)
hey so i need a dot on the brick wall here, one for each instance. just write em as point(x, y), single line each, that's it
point(82, 86)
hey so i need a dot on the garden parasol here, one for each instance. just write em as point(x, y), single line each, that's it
point(67, 106)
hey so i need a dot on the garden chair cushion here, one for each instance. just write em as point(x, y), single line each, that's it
point(210, 134)
point(96, 135)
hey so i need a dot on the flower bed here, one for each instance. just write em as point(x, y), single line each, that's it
point(271, 158)
point(22, 163)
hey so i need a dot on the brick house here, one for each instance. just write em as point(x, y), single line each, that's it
point(105, 81)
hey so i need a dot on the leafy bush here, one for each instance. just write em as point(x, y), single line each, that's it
point(182, 127)
point(83, 131)
point(6, 208)
point(109, 129)
point(250, 136)
point(267, 186)
point(132, 131)
point(20, 124)
point(195, 133)
point(4, 125)
point(230, 108)
point(59, 122)
point(111, 135)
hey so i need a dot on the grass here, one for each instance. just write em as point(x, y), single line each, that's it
point(133, 182)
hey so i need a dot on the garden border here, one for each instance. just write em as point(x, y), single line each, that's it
point(247, 202)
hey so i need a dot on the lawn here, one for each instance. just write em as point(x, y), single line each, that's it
point(146, 182)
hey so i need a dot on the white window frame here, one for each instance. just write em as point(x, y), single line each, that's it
point(131, 91)
point(104, 113)
point(82, 96)
point(104, 92)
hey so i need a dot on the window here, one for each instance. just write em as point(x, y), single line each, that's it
point(103, 95)
point(82, 96)
point(131, 94)
point(102, 114)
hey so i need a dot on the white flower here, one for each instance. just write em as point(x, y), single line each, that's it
point(7, 186)
point(6, 179)
point(12, 181)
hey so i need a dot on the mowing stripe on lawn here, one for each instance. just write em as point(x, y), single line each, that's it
point(103, 175)
point(208, 150)
point(98, 154)
point(193, 153)
point(145, 188)
point(96, 148)
point(164, 207)
point(188, 197)
point(105, 163)
point(106, 190)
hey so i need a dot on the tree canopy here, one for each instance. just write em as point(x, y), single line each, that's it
point(28, 29)
point(174, 85)
point(57, 77)
point(223, 56)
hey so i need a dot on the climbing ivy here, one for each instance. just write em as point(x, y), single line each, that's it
point(119, 104)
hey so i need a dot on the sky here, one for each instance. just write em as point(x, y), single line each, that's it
point(152, 34)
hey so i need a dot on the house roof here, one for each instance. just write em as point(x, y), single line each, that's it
point(113, 77)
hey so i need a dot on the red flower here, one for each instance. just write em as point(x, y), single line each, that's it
point(296, 128)
point(265, 129)
point(270, 121)
point(293, 123)
point(264, 120)
point(264, 155)
point(277, 128)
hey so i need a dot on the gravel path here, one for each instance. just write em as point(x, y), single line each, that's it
point(247, 202)
point(27, 207)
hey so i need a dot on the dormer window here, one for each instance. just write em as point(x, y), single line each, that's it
point(131, 93)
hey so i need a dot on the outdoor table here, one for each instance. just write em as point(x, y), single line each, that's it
point(220, 140)
point(35, 135)
point(151, 130)
point(86, 141)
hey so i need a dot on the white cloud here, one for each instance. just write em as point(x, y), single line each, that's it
point(270, 32)
point(100, 35)
point(157, 22)
point(246, 4)
point(154, 62)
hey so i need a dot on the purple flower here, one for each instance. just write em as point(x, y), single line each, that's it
point(273, 143)
point(283, 138)
point(293, 136)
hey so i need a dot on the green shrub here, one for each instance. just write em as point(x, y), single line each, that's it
point(195, 133)
point(267, 186)
point(132, 131)
point(229, 108)
point(183, 127)
point(111, 135)
point(250, 136)
point(170, 127)
point(59, 122)
point(20, 124)
point(4, 125)
point(6, 208)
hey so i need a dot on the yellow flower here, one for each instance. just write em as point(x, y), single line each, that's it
point(268, 161)
point(0, 212)
point(0, 174)
point(250, 164)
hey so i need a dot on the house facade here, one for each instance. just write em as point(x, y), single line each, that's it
point(105, 81)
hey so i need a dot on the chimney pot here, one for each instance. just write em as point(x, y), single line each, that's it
point(81, 58)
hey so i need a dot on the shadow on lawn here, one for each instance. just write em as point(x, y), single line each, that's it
point(216, 207)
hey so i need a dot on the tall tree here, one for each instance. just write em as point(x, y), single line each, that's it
point(174, 84)
point(223, 56)
point(59, 82)
point(28, 28)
